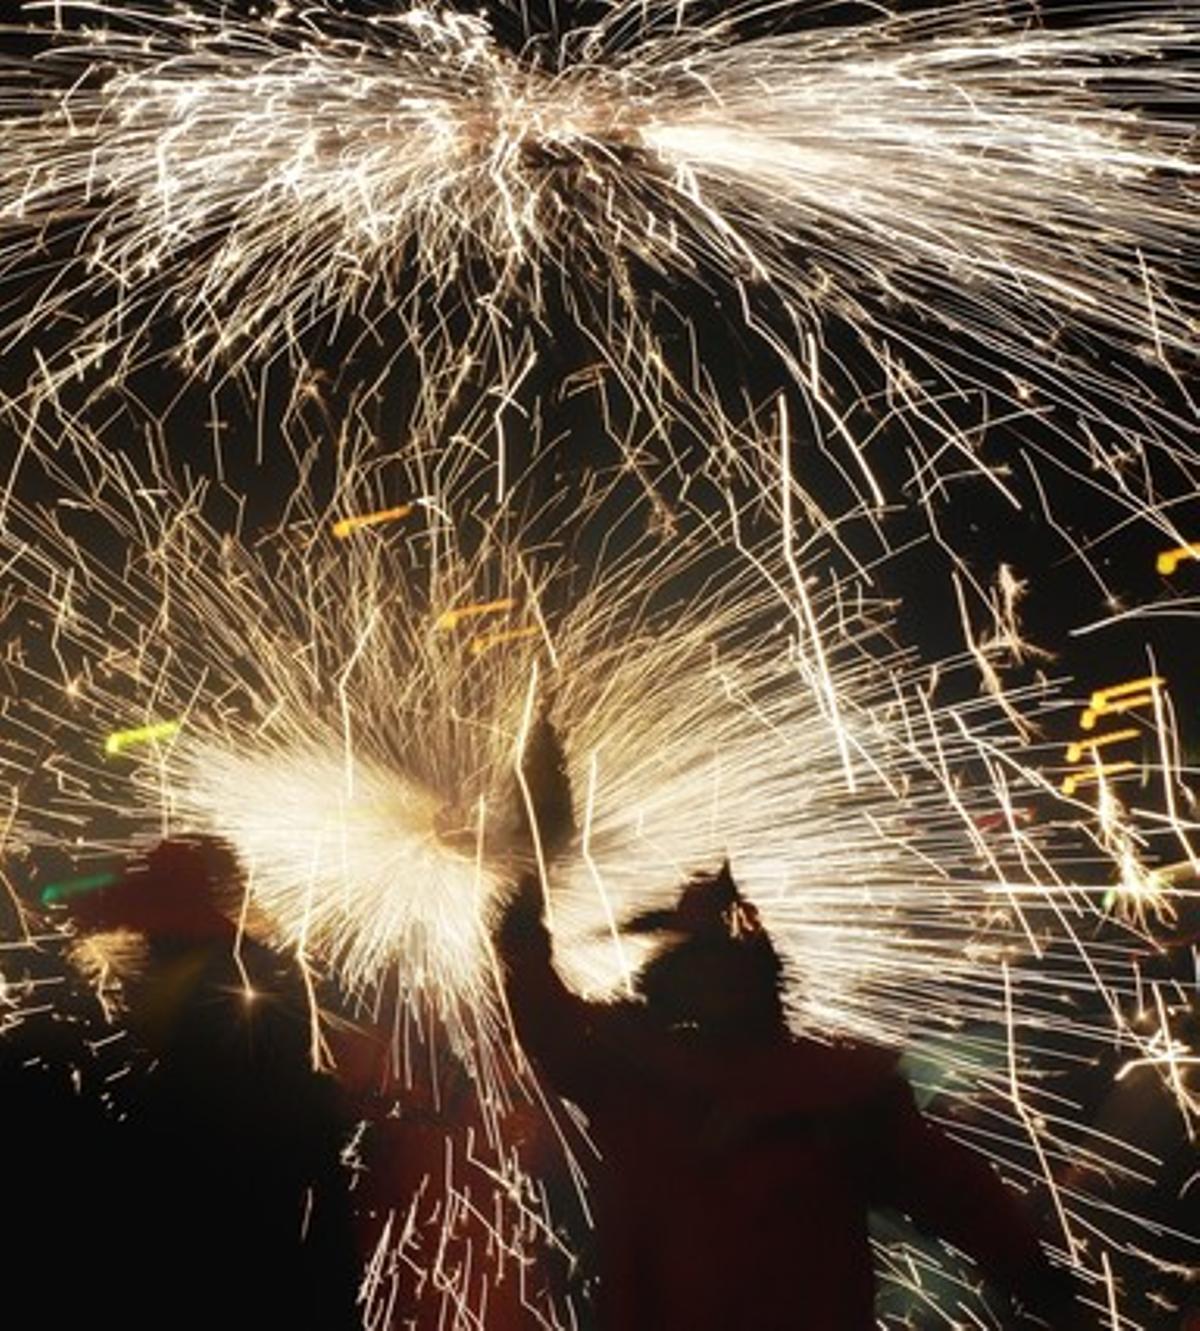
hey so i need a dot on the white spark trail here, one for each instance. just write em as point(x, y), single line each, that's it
point(992, 211)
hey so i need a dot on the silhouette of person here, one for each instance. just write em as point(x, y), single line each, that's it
point(737, 1162)
point(232, 1195)
point(58, 1058)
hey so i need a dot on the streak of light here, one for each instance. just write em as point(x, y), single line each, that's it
point(14, 897)
point(53, 893)
point(1169, 560)
point(120, 740)
point(528, 713)
point(610, 919)
point(343, 527)
point(1078, 748)
point(1110, 1291)
point(1117, 699)
point(484, 642)
point(450, 619)
point(1085, 776)
point(1031, 1127)
point(1165, 1051)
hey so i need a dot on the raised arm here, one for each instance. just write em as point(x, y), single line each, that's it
point(556, 1028)
point(952, 1192)
point(566, 1036)
point(544, 801)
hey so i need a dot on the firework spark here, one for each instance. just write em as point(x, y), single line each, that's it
point(345, 526)
point(362, 762)
point(120, 740)
point(1169, 560)
point(977, 205)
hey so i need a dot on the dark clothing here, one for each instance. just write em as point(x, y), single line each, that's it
point(57, 1059)
point(448, 1230)
point(233, 1141)
point(185, 1174)
point(735, 1179)
point(224, 1202)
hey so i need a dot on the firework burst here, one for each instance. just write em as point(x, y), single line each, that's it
point(977, 207)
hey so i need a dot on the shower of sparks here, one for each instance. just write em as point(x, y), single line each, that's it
point(929, 231)
point(1002, 218)
point(361, 762)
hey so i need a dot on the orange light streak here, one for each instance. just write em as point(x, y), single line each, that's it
point(450, 619)
point(484, 642)
point(1169, 560)
point(344, 526)
point(1076, 750)
point(1072, 782)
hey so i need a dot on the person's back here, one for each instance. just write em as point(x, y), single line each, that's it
point(737, 1170)
point(735, 1182)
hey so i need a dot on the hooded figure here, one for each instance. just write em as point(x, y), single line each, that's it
point(737, 1163)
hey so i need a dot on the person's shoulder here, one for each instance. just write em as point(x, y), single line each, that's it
point(844, 1071)
point(616, 1021)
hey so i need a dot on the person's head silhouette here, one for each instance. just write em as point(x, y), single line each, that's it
point(722, 977)
point(185, 890)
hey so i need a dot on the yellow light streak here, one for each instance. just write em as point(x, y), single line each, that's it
point(1079, 747)
point(345, 526)
point(1086, 775)
point(120, 740)
point(484, 642)
point(1169, 560)
point(1120, 698)
point(450, 619)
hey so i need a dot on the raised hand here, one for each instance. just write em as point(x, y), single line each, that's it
point(546, 791)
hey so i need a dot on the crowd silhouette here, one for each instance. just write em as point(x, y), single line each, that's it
point(187, 1165)
point(196, 1181)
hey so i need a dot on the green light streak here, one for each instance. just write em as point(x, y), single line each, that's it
point(54, 894)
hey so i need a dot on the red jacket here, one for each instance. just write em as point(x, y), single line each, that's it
point(734, 1182)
